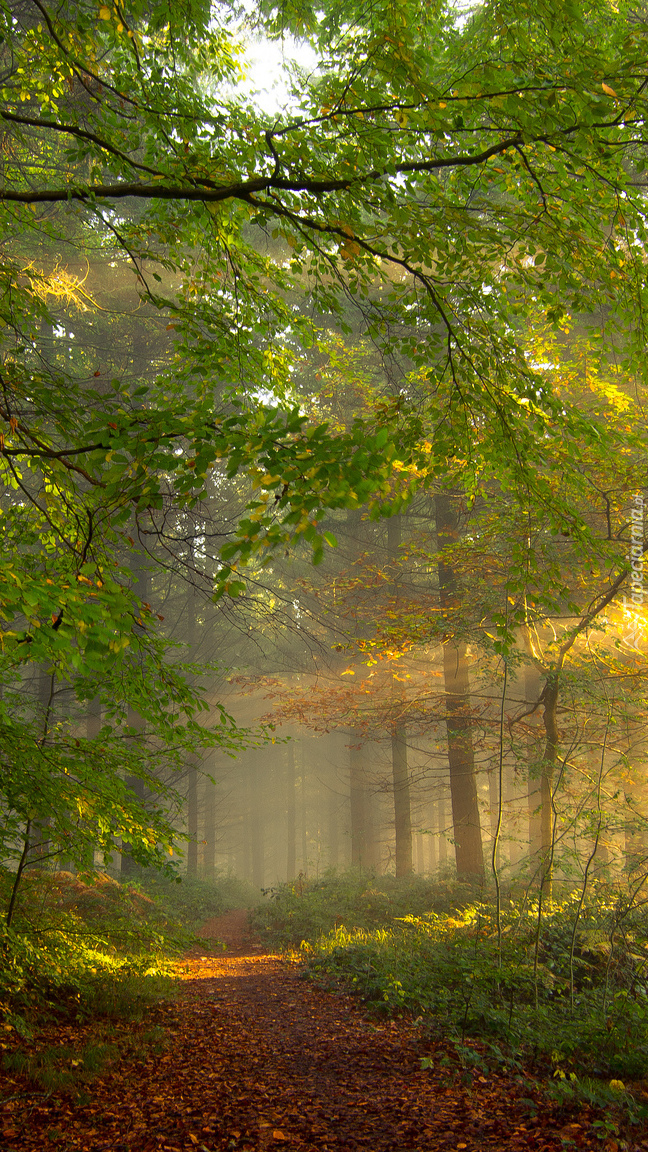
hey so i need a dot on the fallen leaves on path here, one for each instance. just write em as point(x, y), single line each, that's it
point(255, 1058)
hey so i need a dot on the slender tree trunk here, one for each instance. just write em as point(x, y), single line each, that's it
point(93, 728)
point(192, 819)
point(303, 810)
point(441, 825)
point(493, 802)
point(463, 784)
point(256, 824)
point(291, 813)
point(93, 718)
point(209, 857)
point(432, 839)
point(22, 863)
point(400, 768)
point(129, 867)
point(358, 804)
point(193, 761)
point(516, 850)
point(40, 844)
point(402, 806)
point(461, 757)
point(532, 694)
point(333, 800)
point(546, 782)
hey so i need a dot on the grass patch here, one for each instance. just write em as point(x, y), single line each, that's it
point(62, 1068)
point(52, 1067)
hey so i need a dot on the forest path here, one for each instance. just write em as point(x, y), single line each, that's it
point(255, 1058)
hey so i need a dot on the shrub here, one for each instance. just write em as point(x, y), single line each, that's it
point(569, 991)
point(305, 909)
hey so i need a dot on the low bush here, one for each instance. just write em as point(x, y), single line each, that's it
point(305, 909)
point(91, 946)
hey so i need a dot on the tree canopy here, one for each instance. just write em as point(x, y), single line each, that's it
point(173, 259)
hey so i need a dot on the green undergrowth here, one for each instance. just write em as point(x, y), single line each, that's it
point(304, 909)
point(566, 991)
point(191, 902)
point(84, 947)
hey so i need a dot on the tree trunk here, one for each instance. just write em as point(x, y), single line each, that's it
point(209, 855)
point(333, 818)
point(546, 782)
point(40, 845)
point(363, 846)
point(402, 808)
point(193, 761)
point(400, 769)
point(441, 838)
point(461, 757)
point(255, 823)
point(141, 580)
point(532, 694)
point(93, 728)
point(192, 819)
point(432, 839)
point(463, 784)
point(291, 813)
point(303, 810)
point(516, 849)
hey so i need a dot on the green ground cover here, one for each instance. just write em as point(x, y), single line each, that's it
point(89, 946)
point(564, 985)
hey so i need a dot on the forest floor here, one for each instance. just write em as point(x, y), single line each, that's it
point(252, 1057)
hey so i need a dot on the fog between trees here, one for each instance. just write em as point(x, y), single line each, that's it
point(323, 444)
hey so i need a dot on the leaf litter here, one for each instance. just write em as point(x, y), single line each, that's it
point(252, 1057)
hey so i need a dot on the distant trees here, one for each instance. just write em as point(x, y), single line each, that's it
point(174, 262)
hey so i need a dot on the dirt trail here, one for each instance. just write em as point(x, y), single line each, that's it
point(256, 1058)
point(233, 931)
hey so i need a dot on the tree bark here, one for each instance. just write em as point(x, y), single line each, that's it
point(141, 579)
point(532, 694)
point(400, 769)
point(461, 758)
point(363, 838)
point(209, 853)
point(256, 823)
point(441, 825)
point(402, 806)
point(291, 813)
point(40, 846)
point(193, 761)
point(546, 781)
point(466, 823)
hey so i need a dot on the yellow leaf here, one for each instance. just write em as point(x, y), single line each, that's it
point(104, 13)
point(610, 91)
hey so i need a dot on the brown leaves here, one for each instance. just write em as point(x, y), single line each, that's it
point(255, 1059)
